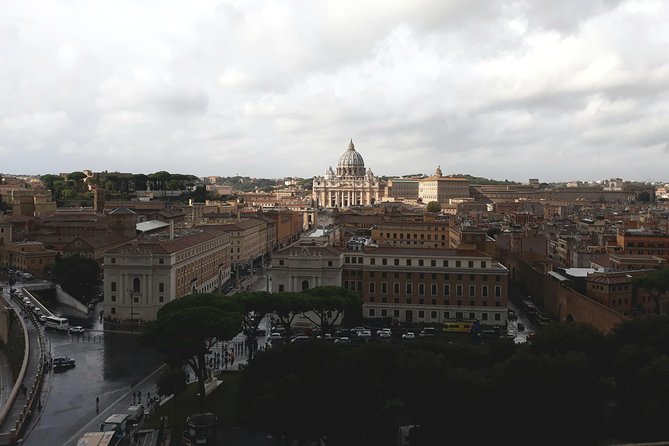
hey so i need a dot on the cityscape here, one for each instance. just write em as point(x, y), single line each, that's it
point(334, 224)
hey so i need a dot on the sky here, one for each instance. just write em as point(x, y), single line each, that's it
point(556, 90)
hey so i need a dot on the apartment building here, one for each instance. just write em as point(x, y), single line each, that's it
point(419, 285)
point(143, 275)
point(28, 256)
point(415, 234)
point(643, 242)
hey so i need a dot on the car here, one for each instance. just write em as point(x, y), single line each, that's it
point(356, 330)
point(36, 310)
point(364, 334)
point(276, 336)
point(409, 335)
point(78, 329)
point(427, 332)
point(42, 318)
point(383, 330)
point(63, 361)
point(385, 334)
point(300, 339)
point(343, 340)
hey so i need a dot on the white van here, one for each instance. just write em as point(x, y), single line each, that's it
point(59, 323)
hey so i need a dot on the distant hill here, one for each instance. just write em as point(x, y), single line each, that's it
point(483, 181)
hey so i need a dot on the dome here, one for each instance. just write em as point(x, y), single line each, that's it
point(351, 163)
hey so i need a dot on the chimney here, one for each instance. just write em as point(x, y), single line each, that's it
point(171, 229)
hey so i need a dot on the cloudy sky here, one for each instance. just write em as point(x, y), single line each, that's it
point(559, 90)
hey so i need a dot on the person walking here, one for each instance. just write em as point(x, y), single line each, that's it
point(97, 404)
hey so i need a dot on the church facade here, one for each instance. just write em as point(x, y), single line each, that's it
point(351, 185)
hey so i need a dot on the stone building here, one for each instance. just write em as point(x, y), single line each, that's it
point(351, 185)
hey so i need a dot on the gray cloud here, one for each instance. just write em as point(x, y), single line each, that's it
point(503, 89)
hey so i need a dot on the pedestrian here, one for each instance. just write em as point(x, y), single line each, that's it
point(148, 397)
point(97, 404)
point(139, 397)
point(232, 358)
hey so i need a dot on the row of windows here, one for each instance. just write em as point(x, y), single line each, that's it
point(433, 276)
point(136, 286)
point(420, 262)
point(372, 312)
point(434, 289)
point(446, 301)
point(161, 299)
point(415, 236)
point(612, 288)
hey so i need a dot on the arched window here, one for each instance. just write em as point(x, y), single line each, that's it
point(135, 285)
point(305, 285)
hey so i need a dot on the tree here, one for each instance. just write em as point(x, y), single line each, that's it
point(187, 328)
point(328, 303)
point(172, 382)
point(644, 197)
point(656, 283)
point(287, 306)
point(434, 206)
point(77, 275)
point(76, 176)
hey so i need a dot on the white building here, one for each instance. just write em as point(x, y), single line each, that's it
point(352, 185)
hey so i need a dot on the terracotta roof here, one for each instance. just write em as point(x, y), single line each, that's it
point(158, 245)
point(610, 279)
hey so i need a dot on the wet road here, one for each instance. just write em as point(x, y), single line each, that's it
point(108, 366)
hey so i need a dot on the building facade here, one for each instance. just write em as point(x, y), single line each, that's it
point(143, 275)
point(351, 185)
point(442, 189)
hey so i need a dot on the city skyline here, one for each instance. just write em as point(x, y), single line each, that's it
point(502, 90)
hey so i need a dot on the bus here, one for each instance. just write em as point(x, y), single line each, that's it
point(457, 326)
point(59, 323)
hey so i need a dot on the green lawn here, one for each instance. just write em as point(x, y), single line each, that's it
point(222, 402)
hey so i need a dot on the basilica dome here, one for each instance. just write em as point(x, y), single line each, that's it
point(351, 163)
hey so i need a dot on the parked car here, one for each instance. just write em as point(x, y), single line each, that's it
point(300, 339)
point(275, 337)
point(409, 335)
point(343, 340)
point(385, 334)
point(364, 334)
point(42, 318)
point(77, 329)
point(63, 361)
point(427, 332)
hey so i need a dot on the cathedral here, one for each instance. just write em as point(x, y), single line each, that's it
point(352, 185)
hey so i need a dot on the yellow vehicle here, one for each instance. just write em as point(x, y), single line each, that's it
point(457, 326)
point(96, 439)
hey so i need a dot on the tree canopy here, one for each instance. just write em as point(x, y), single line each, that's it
point(434, 206)
point(77, 275)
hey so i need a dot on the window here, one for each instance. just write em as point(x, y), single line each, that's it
point(280, 287)
point(397, 262)
point(329, 262)
point(281, 262)
point(433, 314)
point(483, 264)
point(113, 310)
point(409, 288)
point(470, 264)
point(384, 287)
point(113, 298)
point(458, 264)
point(113, 286)
point(161, 261)
point(447, 315)
point(161, 287)
point(421, 314)
point(458, 290)
point(384, 261)
point(472, 290)
point(421, 289)
point(372, 261)
point(371, 312)
point(433, 263)
point(498, 291)
point(135, 285)
point(472, 316)
point(433, 289)
point(396, 313)
point(372, 287)
point(484, 316)
point(484, 291)
point(371, 274)
point(347, 259)
point(396, 288)
point(384, 313)
point(113, 259)
point(161, 299)
point(408, 262)
point(447, 289)
point(445, 263)
point(359, 285)
point(420, 262)
point(497, 317)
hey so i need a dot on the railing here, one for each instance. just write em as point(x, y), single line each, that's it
point(34, 393)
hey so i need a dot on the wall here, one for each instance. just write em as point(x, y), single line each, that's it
point(562, 302)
